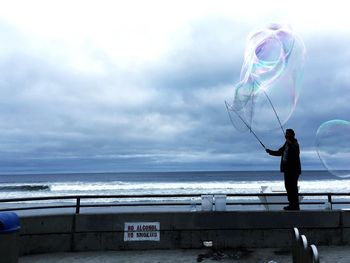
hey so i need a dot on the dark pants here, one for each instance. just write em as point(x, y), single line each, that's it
point(291, 185)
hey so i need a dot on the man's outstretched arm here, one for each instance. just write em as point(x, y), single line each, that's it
point(279, 152)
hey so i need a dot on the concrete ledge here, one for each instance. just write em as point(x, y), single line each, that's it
point(346, 218)
point(86, 232)
point(44, 243)
point(211, 220)
point(46, 224)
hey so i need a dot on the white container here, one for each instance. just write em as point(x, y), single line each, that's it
point(207, 202)
point(220, 202)
point(193, 207)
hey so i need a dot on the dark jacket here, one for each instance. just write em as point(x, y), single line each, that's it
point(290, 163)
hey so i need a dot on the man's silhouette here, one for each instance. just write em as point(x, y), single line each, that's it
point(290, 166)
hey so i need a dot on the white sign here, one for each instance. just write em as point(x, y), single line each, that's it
point(141, 231)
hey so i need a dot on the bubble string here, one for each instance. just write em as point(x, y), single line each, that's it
point(239, 116)
point(274, 110)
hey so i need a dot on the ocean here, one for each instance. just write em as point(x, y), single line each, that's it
point(211, 182)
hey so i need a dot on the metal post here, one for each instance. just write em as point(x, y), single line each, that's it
point(295, 250)
point(77, 206)
point(303, 249)
point(330, 200)
point(314, 254)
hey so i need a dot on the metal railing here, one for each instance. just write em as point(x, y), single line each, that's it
point(80, 201)
point(302, 251)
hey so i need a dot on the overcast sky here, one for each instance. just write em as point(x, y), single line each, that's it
point(89, 86)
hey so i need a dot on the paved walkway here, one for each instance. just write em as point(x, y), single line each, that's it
point(333, 254)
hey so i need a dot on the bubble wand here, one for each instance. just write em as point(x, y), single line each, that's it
point(246, 124)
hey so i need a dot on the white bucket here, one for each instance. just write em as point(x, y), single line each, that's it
point(207, 202)
point(220, 202)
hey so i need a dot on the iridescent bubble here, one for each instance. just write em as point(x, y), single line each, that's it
point(270, 81)
point(333, 146)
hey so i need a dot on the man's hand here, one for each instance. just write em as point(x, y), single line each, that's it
point(268, 151)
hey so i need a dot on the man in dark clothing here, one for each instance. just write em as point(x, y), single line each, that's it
point(290, 166)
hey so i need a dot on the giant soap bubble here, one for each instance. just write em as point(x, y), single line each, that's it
point(270, 81)
point(333, 146)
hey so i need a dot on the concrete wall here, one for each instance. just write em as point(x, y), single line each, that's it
point(86, 232)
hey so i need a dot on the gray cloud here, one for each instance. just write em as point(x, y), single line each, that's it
point(168, 115)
